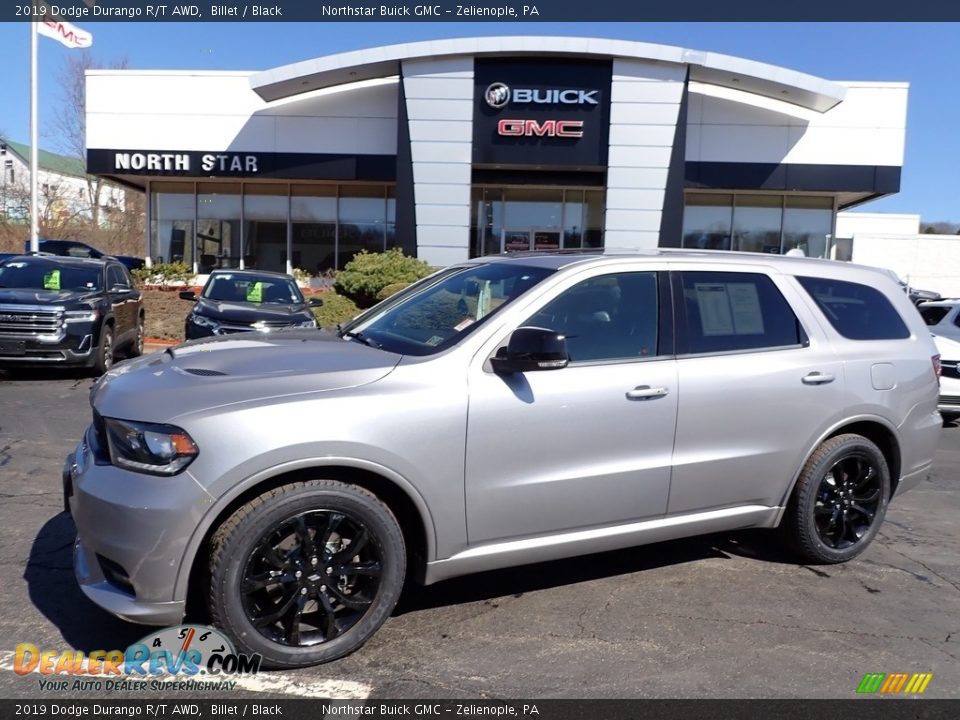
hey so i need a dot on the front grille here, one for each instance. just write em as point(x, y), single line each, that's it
point(29, 321)
point(949, 369)
point(949, 400)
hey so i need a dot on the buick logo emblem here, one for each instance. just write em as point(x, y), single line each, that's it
point(497, 95)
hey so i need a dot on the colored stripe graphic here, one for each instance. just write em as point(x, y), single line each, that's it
point(871, 682)
point(894, 683)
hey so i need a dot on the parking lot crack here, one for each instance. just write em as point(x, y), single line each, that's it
point(954, 585)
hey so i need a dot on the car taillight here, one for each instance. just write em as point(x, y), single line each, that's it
point(935, 359)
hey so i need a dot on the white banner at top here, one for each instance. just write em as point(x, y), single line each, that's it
point(66, 33)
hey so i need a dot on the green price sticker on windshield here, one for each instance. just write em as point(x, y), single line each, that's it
point(51, 280)
point(255, 292)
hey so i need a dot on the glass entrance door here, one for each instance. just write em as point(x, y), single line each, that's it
point(530, 239)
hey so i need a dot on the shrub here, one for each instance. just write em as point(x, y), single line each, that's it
point(335, 309)
point(164, 274)
point(301, 276)
point(368, 273)
point(391, 289)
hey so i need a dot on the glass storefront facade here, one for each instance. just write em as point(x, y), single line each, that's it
point(314, 227)
point(319, 227)
point(511, 219)
point(765, 223)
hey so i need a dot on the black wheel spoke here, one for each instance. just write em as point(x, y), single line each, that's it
point(362, 568)
point(291, 620)
point(272, 556)
point(355, 546)
point(866, 499)
point(258, 582)
point(348, 601)
point(330, 629)
point(307, 548)
point(278, 612)
point(863, 511)
point(333, 522)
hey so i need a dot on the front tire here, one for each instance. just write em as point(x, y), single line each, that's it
point(105, 351)
point(840, 500)
point(306, 572)
point(136, 347)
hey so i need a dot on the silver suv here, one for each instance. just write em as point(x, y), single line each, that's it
point(504, 411)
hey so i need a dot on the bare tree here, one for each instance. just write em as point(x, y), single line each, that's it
point(70, 122)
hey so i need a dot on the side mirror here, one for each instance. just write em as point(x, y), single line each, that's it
point(531, 348)
point(188, 295)
point(117, 288)
point(315, 302)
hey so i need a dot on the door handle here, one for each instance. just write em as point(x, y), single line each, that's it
point(645, 392)
point(817, 378)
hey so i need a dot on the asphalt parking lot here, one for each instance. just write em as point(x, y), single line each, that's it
point(719, 616)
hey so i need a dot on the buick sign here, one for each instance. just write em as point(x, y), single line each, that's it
point(498, 95)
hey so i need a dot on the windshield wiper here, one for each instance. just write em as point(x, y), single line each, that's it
point(360, 337)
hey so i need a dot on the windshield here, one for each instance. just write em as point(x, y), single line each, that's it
point(260, 289)
point(439, 312)
point(31, 275)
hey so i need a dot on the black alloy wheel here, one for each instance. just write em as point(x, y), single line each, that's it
point(311, 579)
point(847, 501)
point(306, 572)
point(839, 501)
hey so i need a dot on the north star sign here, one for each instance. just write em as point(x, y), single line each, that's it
point(209, 162)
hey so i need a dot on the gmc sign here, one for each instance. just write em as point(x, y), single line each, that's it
point(536, 128)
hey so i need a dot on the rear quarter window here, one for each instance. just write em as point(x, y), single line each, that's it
point(858, 312)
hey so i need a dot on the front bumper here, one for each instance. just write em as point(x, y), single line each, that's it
point(132, 533)
point(71, 348)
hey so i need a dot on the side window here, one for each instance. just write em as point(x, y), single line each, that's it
point(729, 311)
point(858, 312)
point(613, 317)
point(115, 277)
point(933, 315)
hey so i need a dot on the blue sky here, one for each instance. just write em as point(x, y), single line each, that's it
point(925, 55)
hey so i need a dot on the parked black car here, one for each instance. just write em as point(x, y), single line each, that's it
point(236, 301)
point(67, 311)
point(75, 248)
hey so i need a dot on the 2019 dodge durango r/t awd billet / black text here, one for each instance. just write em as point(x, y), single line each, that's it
point(503, 411)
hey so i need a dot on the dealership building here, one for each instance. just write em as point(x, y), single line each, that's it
point(456, 148)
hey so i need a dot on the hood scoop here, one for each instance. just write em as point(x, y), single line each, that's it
point(204, 372)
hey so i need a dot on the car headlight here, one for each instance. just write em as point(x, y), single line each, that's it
point(149, 448)
point(203, 321)
point(77, 316)
point(306, 324)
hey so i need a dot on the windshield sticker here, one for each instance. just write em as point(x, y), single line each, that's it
point(51, 280)
point(255, 293)
point(434, 341)
point(463, 324)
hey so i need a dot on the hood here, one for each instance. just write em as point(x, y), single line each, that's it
point(247, 313)
point(226, 370)
point(28, 296)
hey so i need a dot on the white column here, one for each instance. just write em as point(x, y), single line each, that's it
point(439, 98)
point(644, 107)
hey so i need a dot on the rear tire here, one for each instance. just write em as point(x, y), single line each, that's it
point(839, 501)
point(306, 572)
